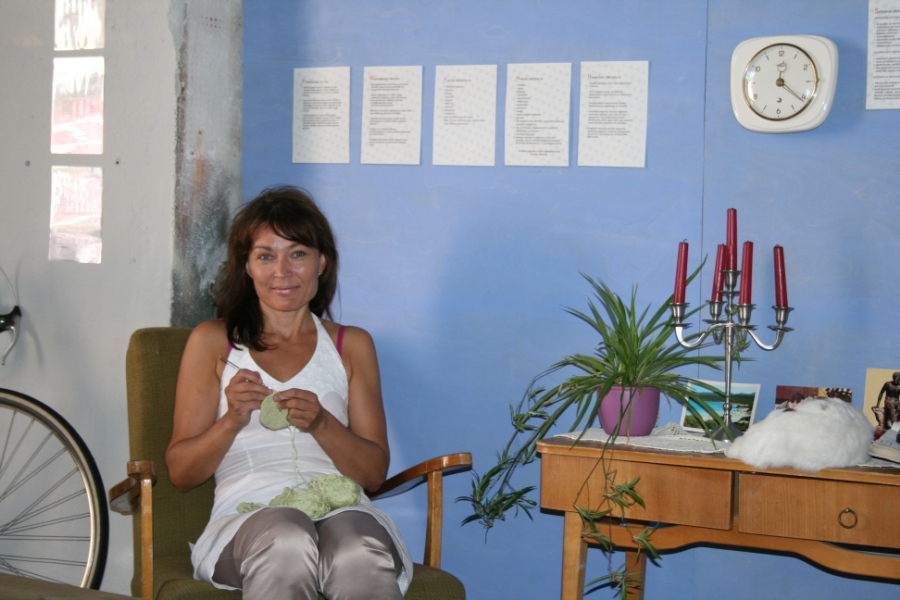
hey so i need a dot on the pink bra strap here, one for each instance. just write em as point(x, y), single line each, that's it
point(340, 339)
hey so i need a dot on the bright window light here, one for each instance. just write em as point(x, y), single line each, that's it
point(79, 25)
point(76, 207)
point(77, 122)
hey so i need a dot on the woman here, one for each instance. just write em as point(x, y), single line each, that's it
point(279, 279)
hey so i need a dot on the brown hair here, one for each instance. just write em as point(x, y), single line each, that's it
point(292, 214)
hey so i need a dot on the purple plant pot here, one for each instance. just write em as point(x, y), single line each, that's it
point(637, 414)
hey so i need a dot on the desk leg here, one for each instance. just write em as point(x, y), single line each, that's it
point(636, 565)
point(574, 557)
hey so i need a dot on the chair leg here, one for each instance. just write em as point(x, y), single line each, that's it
point(144, 471)
point(147, 537)
point(434, 524)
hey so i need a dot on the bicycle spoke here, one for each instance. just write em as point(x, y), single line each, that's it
point(4, 463)
point(5, 566)
point(28, 513)
point(42, 560)
point(21, 478)
point(4, 536)
point(48, 538)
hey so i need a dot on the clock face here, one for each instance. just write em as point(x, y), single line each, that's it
point(783, 83)
point(780, 81)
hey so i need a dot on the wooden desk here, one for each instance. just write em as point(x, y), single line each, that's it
point(711, 499)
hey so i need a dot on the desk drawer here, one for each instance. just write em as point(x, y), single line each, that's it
point(673, 494)
point(815, 509)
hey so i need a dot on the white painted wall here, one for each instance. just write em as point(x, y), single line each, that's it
point(172, 147)
point(76, 317)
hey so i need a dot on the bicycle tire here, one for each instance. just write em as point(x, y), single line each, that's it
point(47, 523)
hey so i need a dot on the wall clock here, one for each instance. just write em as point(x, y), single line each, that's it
point(783, 83)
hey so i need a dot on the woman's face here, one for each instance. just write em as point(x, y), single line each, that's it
point(284, 272)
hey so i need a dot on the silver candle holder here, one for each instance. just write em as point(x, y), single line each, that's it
point(729, 324)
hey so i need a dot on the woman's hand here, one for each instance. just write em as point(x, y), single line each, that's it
point(304, 411)
point(245, 392)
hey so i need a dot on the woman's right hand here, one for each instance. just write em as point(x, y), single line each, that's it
point(245, 393)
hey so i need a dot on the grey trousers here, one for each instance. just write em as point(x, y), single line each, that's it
point(279, 553)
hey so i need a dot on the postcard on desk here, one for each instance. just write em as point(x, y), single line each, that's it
point(744, 397)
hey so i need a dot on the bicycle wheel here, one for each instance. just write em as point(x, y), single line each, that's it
point(53, 518)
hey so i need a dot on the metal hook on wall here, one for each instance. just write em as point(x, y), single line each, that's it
point(10, 320)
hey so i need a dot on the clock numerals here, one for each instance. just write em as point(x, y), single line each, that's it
point(776, 76)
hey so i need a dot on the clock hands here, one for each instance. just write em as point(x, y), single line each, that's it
point(780, 81)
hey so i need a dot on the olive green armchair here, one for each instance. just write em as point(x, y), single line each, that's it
point(165, 520)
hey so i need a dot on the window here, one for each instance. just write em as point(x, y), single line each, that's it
point(77, 129)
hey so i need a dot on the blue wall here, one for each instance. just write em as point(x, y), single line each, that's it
point(461, 273)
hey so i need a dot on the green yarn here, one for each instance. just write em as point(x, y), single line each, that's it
point(321, 496)
point(245, 507)
point(338, 490)
point(269, 414)
point(312, 502)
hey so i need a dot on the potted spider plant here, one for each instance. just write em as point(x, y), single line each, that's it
point(636, 351)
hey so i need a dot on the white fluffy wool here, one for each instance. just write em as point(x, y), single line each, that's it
point(816, 434)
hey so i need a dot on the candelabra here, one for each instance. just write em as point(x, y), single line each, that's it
point(729, 325)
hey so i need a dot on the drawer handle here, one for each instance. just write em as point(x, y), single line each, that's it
point(848, 518)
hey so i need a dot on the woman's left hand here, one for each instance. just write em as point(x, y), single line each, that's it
point(304, 411)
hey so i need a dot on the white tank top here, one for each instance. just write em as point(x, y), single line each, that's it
point(262, 462)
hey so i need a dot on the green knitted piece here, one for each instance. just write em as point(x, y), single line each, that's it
point(322, 495)
point(269, 414)
point(338, 490)
point(245, 507)
point(311, 502)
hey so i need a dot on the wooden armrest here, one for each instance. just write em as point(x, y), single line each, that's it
point(431, 471)
point(131, 495)
point(125, 496)
point(414, 476)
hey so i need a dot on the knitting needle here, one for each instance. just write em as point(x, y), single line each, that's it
point(231, 364)
point(228, 362)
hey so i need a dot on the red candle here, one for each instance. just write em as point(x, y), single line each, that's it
point(719, 276)
point(780, 281)
point(731, 240)
point(681, 272)
point(747, 274)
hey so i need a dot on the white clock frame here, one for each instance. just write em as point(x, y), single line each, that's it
point(824, 55)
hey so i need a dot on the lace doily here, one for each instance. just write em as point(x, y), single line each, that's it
point(668, 437)
point(676, 438)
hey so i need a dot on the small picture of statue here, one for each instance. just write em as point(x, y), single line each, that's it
point(882, 399)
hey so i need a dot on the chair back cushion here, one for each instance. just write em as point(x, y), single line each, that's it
point(151, 372)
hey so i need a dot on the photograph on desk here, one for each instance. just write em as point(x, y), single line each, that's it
point(789, 396)
point(881, 401)
point(744, 397)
